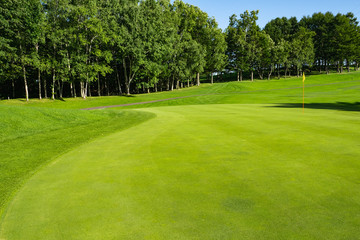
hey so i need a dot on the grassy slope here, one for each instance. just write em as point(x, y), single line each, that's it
point(334, 137)
point(230, 92)
point(31, 137)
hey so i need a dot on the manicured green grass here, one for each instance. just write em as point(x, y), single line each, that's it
point(242, 161)
point(202, 172)
point(31, 137)
point(287, 91)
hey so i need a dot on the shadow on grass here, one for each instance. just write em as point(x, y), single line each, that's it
point(342, 106)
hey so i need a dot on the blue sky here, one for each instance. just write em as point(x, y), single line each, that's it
point(270, 9)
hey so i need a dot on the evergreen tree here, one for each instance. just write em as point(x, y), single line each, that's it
point(302, 49)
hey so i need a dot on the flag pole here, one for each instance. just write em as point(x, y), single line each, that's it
point(303, 92)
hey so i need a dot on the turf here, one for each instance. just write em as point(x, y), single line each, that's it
point(31, 137)
point(224, 172)
point(319, 89)
point(261, 169)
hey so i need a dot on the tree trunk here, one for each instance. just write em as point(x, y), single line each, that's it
point(24, 72)
point(241, 75)
point(212, 78)
point(60, 88)
point(89, 88)
point(45, 89)
point(297, 71)
point(238, 76)
point(106, 87)
point(127, 85)
point(98, 81)
point(71, 90)
point(172, 83)
point(188, 83)
point(69, 73)
point(39, 73)
point(278, 70)
point(83, 86)
point(155, 85)
point(326, 67)
point(252, 75)
point(53, 85)
point(261, 76)
point(74, 90)
point(198, 79)
point(13, 87)
point(118, 79)
point(99, 88)
point(39, 79)
point(86, 89)
point(127, 81)
point(270, 72)
point(54, 76)
point(26, 85)
point(82, 89)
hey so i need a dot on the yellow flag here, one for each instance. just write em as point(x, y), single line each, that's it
point(303, 91)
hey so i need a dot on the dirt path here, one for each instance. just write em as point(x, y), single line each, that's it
point(199, 95)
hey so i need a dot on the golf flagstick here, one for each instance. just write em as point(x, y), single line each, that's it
point(303, 92)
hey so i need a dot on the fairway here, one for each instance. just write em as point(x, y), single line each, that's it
point(151, 120)
point(221, 171)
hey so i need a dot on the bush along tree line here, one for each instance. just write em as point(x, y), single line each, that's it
point(80, 48)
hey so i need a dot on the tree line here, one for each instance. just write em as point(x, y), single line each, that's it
point(56, 48)
point(319, 42)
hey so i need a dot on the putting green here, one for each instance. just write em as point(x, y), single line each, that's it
point(202, 172)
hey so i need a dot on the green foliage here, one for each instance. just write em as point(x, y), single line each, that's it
point(249, 48)
point(336, 40)
point(216, 47)
point(69, 47)
point(302, 48)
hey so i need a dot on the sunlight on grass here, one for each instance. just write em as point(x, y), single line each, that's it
point(233, 159)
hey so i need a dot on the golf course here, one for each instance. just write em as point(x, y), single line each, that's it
point(232, 160)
